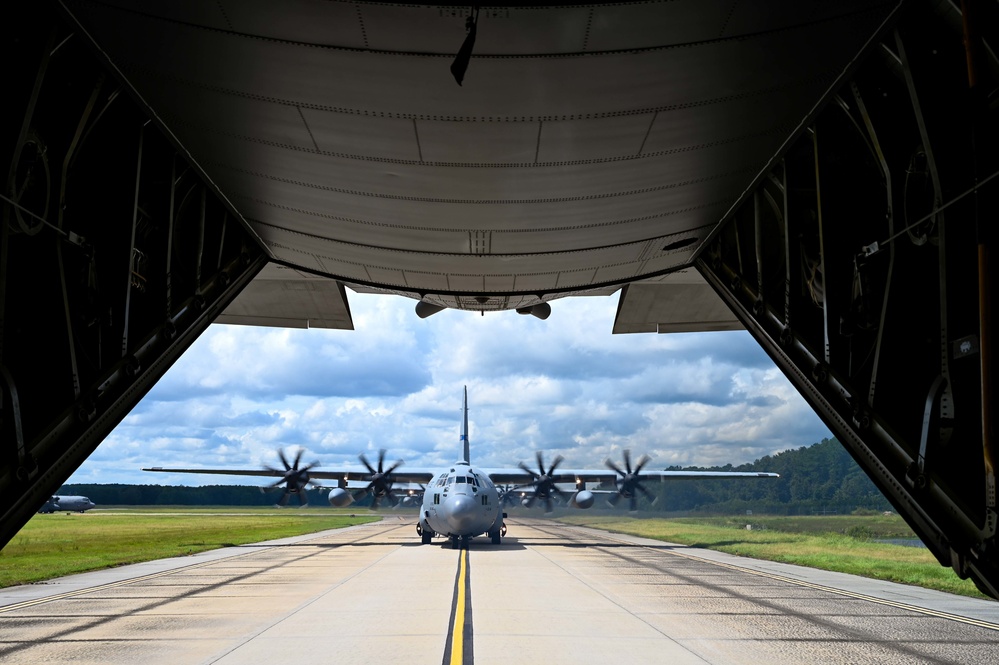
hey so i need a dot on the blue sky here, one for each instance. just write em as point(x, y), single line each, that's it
point(565, 386)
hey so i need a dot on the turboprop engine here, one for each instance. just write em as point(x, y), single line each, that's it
point(340, 497)
point(582, 499)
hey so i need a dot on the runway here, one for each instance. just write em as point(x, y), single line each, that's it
point(550, 593)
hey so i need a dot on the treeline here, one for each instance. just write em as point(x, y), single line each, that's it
point(167, 495)
point(821, 478)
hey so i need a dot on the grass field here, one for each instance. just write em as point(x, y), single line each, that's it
point(843, 543)
point(54, 545)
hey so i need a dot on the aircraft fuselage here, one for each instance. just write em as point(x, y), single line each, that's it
point(461, 502)
point(68, 504)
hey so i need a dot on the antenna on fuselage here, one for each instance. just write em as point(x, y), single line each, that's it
point(464, 428)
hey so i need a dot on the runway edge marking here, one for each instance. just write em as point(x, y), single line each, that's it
point(850, 594)
point(110, 585)
point(255, 549)
point(821, 587)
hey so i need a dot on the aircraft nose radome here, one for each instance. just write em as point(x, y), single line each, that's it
point(460, 513)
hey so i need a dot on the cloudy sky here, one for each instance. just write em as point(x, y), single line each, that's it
point(565, 386)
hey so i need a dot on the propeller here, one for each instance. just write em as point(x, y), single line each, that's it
point(293, 478)
point(544, 486)
point(380, 482)
point(413, 497)
point(507, 495)
point(630, 482)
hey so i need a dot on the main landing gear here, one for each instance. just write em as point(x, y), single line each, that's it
point(499, 534)
point(425, 533)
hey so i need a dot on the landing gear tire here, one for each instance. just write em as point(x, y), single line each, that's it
point(426, 533)
point(455, 542)
point(495, 536)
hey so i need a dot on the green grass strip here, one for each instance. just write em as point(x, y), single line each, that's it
point(843, 544)
point(55, 545)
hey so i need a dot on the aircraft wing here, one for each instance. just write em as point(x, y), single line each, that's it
point(347, 474)
point(421, 475)
point(519, 477)
point(621, 482)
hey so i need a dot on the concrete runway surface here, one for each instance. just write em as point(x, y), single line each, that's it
point(550, 593)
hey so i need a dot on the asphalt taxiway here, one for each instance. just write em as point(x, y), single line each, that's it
point(550, 593)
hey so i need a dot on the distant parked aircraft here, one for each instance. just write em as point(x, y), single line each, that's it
point(69, 504)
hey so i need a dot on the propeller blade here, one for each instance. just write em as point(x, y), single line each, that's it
point(541, 462)
point(381, 460)
point(627, 460)
point(393, 467)
point(295, 480)
point(642, 462)
point(548, 504)
point(614, 498)
point(633, 503)
point(614, 467)
point(364, 461)
point(648, 495)
point(525, 469)
point(558, 460)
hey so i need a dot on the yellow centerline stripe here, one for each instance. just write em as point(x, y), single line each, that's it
point(458, 631)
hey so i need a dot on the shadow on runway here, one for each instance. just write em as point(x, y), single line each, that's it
point(605, 545)
point(506, 544)
point(442, 544)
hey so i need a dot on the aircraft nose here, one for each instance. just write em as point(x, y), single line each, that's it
point(460, 511)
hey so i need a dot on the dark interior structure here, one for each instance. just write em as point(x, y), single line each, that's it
point(822, 174)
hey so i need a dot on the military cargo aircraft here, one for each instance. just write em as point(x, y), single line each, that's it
point(461, 501)
point(69, 504)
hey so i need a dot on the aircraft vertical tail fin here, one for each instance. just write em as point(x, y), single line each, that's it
point(464, 428)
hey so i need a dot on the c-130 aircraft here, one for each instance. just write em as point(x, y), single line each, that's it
point(461, 501)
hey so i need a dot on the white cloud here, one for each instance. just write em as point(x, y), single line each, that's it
point(565, 386)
